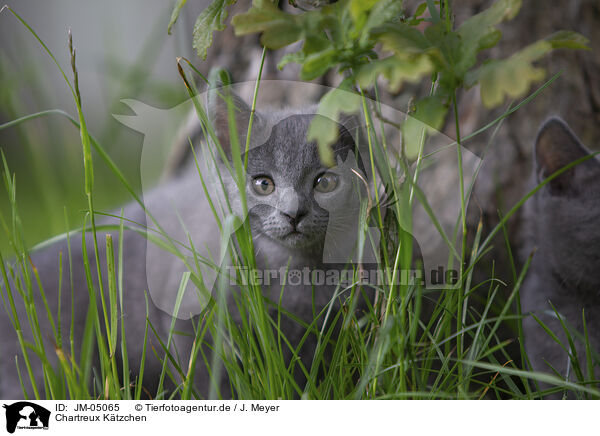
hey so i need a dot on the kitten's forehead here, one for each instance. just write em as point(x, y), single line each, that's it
point(289, 145)
point(287, 151)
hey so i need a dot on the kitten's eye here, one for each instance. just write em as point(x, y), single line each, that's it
point(326, 182)
point(263, 185)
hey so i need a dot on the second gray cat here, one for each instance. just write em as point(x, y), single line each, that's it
point(563, 222)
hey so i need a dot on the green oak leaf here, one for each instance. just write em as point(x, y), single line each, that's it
point(420, 9)
point(569, 40)
point(296, 57)
point(513, 76)
point(401, 38)
point(448, 44)
point(175, 14)
point(312, 44)
point(317, 64)
point(359, 9)
point(280, 35)
point(384, 11)
point(479, 32)
point(278, 28)
point(324, 128)
point(395, 70)
point(210, 20)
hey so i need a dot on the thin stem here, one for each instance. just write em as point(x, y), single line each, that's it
point(461, 311)
point(253, 109)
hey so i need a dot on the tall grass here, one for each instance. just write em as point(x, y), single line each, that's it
point(407, 343)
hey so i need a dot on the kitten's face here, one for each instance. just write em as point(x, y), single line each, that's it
point(291, 195)
point(568, 209)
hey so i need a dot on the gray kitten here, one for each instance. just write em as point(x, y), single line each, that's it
point(563, 221)
point(297, 208)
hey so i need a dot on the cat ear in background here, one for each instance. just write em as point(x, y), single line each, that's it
point(218, 113)
point(354, 124)
point(557, 146)
point(352, 136)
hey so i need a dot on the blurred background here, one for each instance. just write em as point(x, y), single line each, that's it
point(123, 51)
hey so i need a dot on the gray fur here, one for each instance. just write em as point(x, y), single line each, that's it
point(279, 149)
point(563, 221)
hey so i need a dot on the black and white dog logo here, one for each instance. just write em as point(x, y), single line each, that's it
point(26, 415)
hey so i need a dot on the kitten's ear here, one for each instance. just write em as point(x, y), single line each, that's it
point(353, 123)
point(218, 113)
point(352, 134)
point(557, 146)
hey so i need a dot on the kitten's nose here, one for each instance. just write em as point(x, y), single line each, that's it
point(294, 220)
point(291, 206)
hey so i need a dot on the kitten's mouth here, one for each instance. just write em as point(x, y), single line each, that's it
point(296, 238)
point(294, 234)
